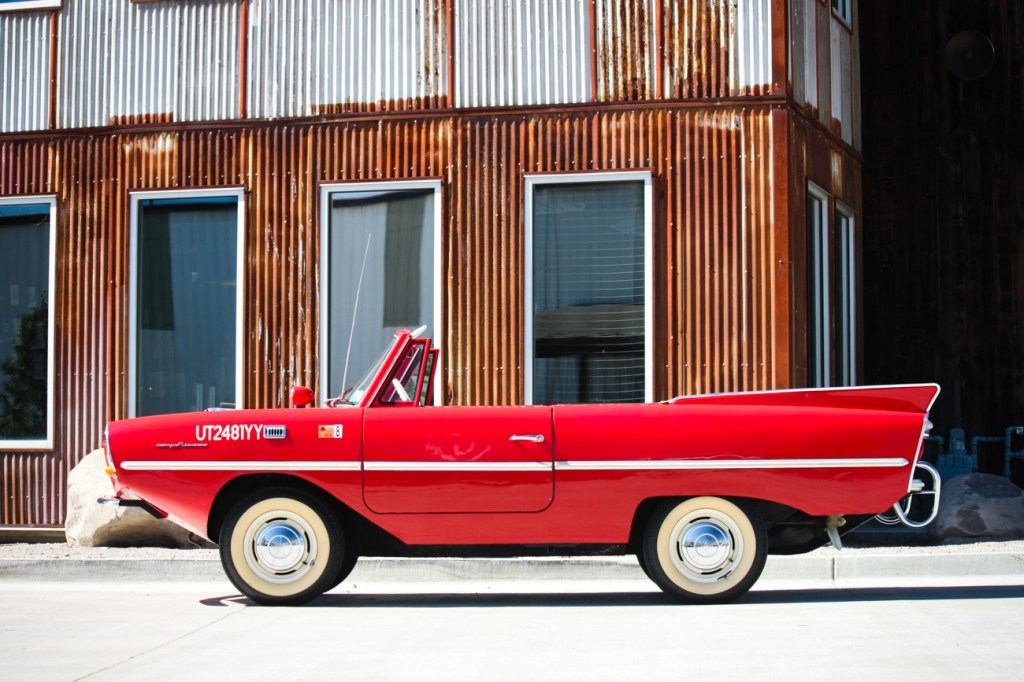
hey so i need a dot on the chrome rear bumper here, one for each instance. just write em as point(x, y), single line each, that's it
point(900, 513)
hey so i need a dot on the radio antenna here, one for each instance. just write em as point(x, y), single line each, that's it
point(355, 309)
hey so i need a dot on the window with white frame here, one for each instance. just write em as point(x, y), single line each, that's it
point(832, 292)
point(819, 323)
point(27, 235)
point(186, 301)
point(381, 255)
point(846, 295)
point(588, 284)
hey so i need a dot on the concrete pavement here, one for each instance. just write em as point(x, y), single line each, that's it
point(965, 564)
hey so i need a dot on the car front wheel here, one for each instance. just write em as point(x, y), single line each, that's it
point(282, 547)
point(704, 549)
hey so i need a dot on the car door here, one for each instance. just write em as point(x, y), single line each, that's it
point(457, 459)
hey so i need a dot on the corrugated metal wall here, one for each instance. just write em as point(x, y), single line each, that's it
point(130, 63)
point(717, 48)
point(309, 57)
point(824, 67)
point(126, 62)
point(522, 53)
point(24, 71)
point(721, 298)
point(714, 235)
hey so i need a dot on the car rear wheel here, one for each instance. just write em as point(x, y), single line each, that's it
point(704, 549)
point(282, 547)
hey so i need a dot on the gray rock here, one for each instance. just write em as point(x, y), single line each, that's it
point(980, 505)
point(90, 524)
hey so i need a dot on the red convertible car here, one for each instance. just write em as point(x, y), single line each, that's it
point(700, 489)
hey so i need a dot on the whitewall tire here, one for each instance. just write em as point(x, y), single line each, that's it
point(282, 547)
point(704, 549)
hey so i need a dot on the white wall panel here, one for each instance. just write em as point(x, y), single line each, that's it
point(750, 45)
point(306, 56)
point(24, 71)
point(521, 53)
point(123, 62)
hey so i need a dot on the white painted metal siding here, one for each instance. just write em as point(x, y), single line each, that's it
point(803, 51)
point(24, 71)
point(123, 62)
point(750, 45)
point(521, 53)
point(306, 56)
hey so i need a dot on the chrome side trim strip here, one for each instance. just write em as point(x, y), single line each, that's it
point(459, 466)
point(731, 464)
point(284, 465)
point(561, 465)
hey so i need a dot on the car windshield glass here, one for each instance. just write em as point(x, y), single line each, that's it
point(353, 395)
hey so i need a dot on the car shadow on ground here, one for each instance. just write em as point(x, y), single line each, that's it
point(618, 599)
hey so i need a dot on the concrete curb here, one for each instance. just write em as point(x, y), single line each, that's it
point(839, 570)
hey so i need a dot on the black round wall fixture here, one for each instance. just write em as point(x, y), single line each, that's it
point(970, 55)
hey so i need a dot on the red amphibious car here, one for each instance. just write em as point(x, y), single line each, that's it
point(700, 489)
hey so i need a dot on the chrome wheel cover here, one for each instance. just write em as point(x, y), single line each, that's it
point(706, 545)
point(280, 546)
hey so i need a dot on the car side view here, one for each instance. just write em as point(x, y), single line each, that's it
point(700, 489)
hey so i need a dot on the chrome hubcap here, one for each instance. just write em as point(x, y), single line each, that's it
point(279, 547)
point(706, 545)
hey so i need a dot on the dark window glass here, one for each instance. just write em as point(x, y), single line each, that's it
point(588, 293)
point(846, 304)
point(380, 275)
point(187, 279)
point(819, 292)
point(24, 351)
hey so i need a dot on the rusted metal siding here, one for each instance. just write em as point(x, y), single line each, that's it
point(626, 49)
point(802, 48)
point(727, 183)
point(715, 242)
point(126, 62)
point(716, 48)
point(131, 63)
point(518, 53)
point(308, 57)
point(725, 253)
point(24, 71)
point(816, 157)
point(844, 97)
point(33, 493)
point(716, 237)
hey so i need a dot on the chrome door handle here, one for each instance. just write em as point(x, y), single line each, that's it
point(531, 438)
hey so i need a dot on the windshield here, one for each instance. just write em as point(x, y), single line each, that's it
point(353, 395)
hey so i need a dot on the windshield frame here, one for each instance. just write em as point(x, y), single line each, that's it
point(365, 391)
point(354, 395)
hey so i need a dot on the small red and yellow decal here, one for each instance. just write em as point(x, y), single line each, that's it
point(330, 431)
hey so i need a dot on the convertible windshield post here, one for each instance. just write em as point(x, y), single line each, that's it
point(360, 394)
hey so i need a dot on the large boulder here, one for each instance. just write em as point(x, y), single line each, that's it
point(90, 524)
point(980, 505)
